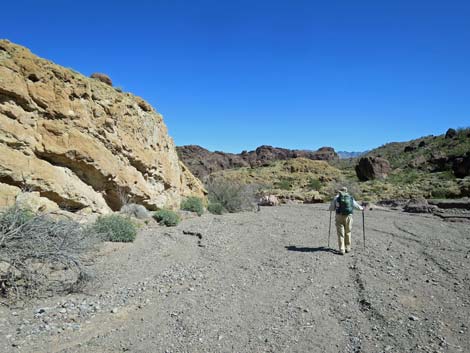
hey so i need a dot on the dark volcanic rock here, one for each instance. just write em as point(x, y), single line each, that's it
point(451, 133)
point(202, 162)
point(461, 166)
point(370, 168)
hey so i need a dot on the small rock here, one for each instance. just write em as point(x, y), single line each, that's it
point(114, 311)
point(413, 318)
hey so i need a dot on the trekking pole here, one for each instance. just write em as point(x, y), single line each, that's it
point(363, 229)
point(329, 232)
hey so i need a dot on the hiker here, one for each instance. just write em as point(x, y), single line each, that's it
point(343, 204)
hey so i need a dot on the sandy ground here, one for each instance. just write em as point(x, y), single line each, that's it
point(265, 282)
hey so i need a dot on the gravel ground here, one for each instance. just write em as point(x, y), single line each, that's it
point(265, 282)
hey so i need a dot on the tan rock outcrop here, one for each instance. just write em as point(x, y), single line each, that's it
point(80, 143)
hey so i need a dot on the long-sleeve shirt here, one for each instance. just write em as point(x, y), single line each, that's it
point(334, 205)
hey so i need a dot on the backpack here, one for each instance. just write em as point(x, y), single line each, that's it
point(345, 202)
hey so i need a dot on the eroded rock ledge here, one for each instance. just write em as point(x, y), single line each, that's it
point(80, 143)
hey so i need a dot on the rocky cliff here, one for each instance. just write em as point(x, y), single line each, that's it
point(202, 162)
point(80, 143)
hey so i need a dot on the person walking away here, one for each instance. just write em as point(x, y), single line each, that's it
point(343, 204)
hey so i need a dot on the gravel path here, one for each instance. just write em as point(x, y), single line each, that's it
point(265, 282)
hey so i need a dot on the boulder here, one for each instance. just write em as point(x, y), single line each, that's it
point(451, 133)
point(461, 166)
point(103, 78)
point(419, 206)
point(370, 168)
point(80, 143)
point(8, 195)
point(269, 200)
point(34, 202)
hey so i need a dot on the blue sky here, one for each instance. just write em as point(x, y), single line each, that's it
point(232, 75)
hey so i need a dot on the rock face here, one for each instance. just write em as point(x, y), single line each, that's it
point(81, 144)
point(370, 168)
point(202, 162)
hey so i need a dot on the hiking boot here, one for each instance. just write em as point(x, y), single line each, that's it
point(348, 249)
point(341, 252)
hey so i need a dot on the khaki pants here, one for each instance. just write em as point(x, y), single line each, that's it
point(343, 228)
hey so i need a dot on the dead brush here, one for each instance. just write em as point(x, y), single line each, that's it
point(41, 255)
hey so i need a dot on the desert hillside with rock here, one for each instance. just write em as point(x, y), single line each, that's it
point(202, 162)
point(79, 144)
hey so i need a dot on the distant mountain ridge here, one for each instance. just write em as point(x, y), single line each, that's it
point(203, 162)
point(346, 154)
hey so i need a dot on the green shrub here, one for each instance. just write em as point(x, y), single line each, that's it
point(314, 184)
point(193, 204)
point(215, 208)
point(168, 218)
point(116, 228)
point(283, 184)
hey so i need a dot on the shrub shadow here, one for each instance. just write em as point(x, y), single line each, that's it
point(312, 250)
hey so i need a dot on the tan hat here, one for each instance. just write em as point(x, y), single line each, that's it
point(343, 190)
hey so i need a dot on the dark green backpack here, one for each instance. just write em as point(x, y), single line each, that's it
point(345, 204)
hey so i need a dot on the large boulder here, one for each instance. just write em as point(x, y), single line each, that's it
point(451, 133)
point(370, 168)
point(102, 77)
point(80, 143)
point(461, 166)
point(419, 205)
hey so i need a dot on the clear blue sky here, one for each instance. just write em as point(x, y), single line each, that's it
point(232, 75)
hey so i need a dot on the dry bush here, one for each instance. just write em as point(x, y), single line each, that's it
point(40, 254)
point(232, 195)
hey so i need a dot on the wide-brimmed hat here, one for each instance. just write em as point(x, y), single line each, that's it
point(343, 190)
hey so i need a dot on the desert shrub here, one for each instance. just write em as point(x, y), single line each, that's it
point(116, 228)
point(14, 217)
point(193, 204)
point(314, 184)
point(404, 177)
point(283, 184)
point(215, 208)
point(134, 210)
point(168, 218)
point(233, 196)
point(40, 254)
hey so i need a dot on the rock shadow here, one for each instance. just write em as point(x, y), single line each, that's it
point(312, 250)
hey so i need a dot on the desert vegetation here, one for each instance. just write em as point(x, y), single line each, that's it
point(229, 195)
point(193, 204)
point(167, 218)
point(41, 254)
point(116, 228)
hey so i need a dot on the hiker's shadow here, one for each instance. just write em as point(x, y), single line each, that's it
point(313, 250)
